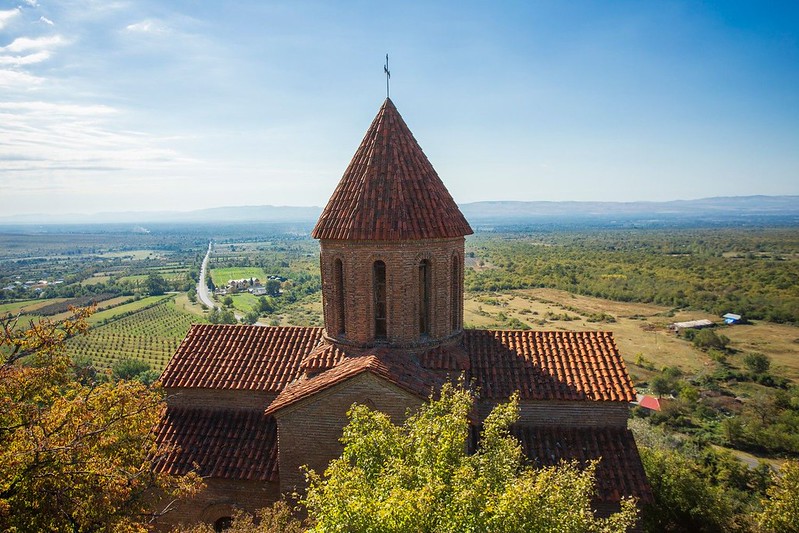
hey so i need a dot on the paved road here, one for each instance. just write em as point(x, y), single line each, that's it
point(202, 288)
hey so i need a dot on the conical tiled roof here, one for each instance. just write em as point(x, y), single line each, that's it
point(390, 191)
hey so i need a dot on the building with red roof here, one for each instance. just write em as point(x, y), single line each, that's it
point(249, 405)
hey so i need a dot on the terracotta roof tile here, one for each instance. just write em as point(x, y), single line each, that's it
point(619, 472)
point(396, 369)
point(548, 365)
point(223, 443)
point(390, 191)
point(240, 357)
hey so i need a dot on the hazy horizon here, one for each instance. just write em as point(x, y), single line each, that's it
point(145, 106)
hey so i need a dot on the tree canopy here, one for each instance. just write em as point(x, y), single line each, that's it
point(418, 477)
point(73, 456)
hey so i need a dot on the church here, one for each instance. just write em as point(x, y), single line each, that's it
point(247, 406)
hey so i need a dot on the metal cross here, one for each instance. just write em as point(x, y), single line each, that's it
point(388, 75)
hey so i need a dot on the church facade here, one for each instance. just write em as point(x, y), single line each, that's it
point(249, 405)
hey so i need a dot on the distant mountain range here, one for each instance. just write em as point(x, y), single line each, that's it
point(732, 209)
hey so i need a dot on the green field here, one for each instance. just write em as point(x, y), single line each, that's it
point(26, 305)
point(151, 335)
point(221, 276)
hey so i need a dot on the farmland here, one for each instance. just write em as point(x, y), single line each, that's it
point(149, 330)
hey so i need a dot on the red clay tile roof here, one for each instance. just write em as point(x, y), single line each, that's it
point(548, 365)
point(390, 191)
point(619, 473)
point(541, 365)
point(396, 369)
point(240, 357)
point(223, 443)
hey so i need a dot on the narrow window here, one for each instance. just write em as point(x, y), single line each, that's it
point(424, 297)
point(338, 279)
point(379, 275)
point(455, 294)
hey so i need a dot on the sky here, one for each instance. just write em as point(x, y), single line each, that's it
point(110, 105)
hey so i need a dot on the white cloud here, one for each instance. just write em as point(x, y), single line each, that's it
point(152, 26)
point(6, 16)
point(32, 3)
point(12, 78)
point(23, 44)
point(29, 59)
point(46, 20)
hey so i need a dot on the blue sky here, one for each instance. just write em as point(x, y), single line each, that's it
point(113, 105)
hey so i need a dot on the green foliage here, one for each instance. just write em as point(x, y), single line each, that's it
point(757, 363)
point(156, 284)
point(781, 508)
point(685, 498)
point(73, 457)
point(277, 518)
point(418, 477)
point(227, 301)
point(701, 269)
point(221, 316)
point(706, 339)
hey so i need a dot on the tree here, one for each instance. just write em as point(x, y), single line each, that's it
point(419, 477)
point(272, 287)
point(129, 368)
point(192, 294)
point(73, 457)
point(707, 338)
point(781, 507)
point(757, 363)
point(156, 284)
point(685, 498)
point(221, 316)
point(227, 301)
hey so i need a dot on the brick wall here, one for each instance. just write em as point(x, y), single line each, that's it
point(219, 498)
point(402, 283)
point(309, 431)
point(218, 398)
point(566, 413)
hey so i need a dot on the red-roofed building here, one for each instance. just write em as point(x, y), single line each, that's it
point(249, 405)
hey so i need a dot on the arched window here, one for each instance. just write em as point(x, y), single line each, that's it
point(222, 524)
point(379, 277)
point(338, 280)
point(455, 294)
point(424, 297)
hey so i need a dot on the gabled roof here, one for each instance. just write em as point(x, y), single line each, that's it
point(619, 472)
point(397, 370)
point(541, 365)
point(252, 358)
point(548, 365)
point(221, 443)
point(390, 191)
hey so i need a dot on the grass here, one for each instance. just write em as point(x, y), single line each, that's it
point(221, 276)
point(27, 305)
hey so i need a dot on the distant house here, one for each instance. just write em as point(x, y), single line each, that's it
point(731, 318)
point(691, 324)
point(260, 290)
